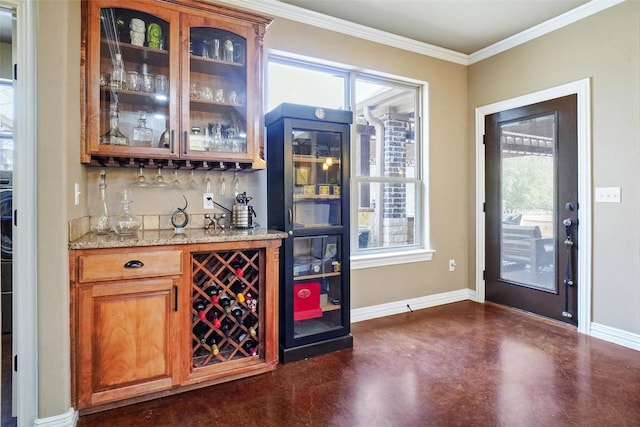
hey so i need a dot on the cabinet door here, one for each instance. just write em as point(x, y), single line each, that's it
point(317, 177)
point(220, 72)
point(318, 300)
point(228, 312)
point(131, 84)
point(127, 336)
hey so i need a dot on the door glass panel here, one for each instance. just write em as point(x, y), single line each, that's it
point(134, 79)
point(528, 192)
point(217, 91)
point(317, 178)
point(317, 284)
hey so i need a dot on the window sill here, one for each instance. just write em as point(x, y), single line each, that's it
point(390, 258)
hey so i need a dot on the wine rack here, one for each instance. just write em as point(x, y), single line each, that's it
point(225, 306)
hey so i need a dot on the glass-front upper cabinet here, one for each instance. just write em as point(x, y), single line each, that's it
point(218, 98)
point(131, 78)
point(169, 82)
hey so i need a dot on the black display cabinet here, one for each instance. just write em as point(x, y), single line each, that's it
point(308, 198)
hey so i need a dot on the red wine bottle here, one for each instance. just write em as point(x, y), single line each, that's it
point(213, 291)
point(226, 326)
point(214, 318)
point(199, 306)
point(236, 264)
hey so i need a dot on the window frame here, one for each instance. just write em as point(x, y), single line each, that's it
point(380, 256)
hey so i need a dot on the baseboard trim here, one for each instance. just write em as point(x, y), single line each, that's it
point(68, 419)
point(616, 336)
point(397, 307)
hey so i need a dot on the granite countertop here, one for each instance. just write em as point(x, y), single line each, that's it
point(168, 237)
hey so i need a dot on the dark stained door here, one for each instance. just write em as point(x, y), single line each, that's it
point(531, 208)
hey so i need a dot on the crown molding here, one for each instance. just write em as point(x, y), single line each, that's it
point(587, 9)
point(279, 9)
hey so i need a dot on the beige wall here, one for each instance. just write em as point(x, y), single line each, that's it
point(448, 154)
point(605, 48)
point(58, 167)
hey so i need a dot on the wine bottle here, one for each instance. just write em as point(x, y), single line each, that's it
point(214, 318)
point(213, 291)
point(200, 331)
point(251, 347)
point(252, 303)
point(249, 322)
point(237, 313)
point(237, 267)
point(199, 306)
point(212, 341)
point(225, 303)
point(226, 326)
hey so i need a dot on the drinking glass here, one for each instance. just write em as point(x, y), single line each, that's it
point(140, 181)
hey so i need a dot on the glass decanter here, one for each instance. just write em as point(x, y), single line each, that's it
point(114, 136)
point(100, 219)
point(126, 223)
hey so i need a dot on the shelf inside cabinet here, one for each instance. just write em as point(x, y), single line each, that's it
point(303, 158)
point(206, 105)
point(317, 276)
point(203, 65)
point(302, 197)
point(141, 54)
point(126, 96)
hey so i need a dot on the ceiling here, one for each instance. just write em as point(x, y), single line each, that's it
point(464, 26)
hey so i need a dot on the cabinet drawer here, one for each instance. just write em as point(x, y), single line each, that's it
point(132, 265)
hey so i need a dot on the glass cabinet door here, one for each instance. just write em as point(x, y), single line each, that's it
point(317, 178)
point(317, 285)
point(136, 108)
point(215, 112)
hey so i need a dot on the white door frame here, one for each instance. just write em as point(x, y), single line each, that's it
point(581, 88)
point(25, 260)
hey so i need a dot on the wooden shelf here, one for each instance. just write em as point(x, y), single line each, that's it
point(317, 276)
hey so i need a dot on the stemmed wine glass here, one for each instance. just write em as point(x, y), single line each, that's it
point(159, 182)
point(140, 181)
point(207, 183)
point(222, 184)
point(175, 184)
point(193, 185)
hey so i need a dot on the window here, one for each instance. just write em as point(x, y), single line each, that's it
point(388, 207)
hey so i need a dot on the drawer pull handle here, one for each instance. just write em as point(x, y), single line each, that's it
point(134, 264)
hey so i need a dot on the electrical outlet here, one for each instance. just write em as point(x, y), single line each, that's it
point(452, 265)
point(207, 201)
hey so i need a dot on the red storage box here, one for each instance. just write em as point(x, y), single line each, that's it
point(306, 301)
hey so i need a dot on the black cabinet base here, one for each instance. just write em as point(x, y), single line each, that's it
point(315, 349)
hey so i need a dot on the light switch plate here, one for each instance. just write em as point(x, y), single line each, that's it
point(607, 195)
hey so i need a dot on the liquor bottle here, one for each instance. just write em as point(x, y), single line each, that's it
point(199, 306)
point(225, 303)
point(251, 347)
point(213, 291)
point(142, 135)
